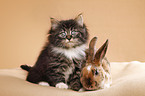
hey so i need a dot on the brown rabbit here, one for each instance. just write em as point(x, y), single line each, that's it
point(96, 74)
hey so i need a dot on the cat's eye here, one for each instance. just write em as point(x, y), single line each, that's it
point(74, 33)
point(63, 34)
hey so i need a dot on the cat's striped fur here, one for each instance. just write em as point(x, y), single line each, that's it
point(60, 62)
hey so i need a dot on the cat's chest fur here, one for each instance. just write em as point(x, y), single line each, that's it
point(71, 53)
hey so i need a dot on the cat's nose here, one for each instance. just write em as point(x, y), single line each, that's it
point(69, 37)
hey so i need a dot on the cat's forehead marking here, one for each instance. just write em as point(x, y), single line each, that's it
point(68, 30)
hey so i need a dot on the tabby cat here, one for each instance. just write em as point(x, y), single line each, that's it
point(60, 62)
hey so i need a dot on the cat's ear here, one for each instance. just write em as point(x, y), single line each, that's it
point(54, 23)
point(79, 19)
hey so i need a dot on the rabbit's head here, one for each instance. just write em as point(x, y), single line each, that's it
point(93, 74)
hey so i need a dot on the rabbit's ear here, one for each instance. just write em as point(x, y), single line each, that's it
point(91, 50)
point(100, 54)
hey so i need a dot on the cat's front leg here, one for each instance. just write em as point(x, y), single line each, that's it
point(74, 81)
point(56, 79)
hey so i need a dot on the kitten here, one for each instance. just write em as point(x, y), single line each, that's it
point(60, 62)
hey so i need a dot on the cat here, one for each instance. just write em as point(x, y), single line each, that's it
point(59, 63)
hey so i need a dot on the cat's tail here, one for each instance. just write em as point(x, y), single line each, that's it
point(26, 67)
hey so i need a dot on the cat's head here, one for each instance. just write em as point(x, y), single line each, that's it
point(68, 33)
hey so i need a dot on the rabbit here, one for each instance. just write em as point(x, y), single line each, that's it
point(96, 73)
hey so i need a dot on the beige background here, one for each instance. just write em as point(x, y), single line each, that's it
point(24, 24)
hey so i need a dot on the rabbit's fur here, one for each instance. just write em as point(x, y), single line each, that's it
point(96, 74)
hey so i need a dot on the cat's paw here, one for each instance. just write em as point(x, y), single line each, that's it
point(43, 83)
point(61, 85)
point(82, 90)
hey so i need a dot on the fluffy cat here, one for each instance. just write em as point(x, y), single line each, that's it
point(60, 62)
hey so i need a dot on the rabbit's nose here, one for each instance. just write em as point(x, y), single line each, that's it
point(91, 87)
point(89, 81)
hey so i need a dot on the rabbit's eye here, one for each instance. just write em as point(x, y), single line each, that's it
point(96, 72)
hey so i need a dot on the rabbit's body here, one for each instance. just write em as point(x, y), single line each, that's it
point(106, 67)
point(96, 74)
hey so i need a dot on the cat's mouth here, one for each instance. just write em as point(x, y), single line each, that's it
point(70, 44)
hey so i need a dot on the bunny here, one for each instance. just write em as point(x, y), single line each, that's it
point(96, 73)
